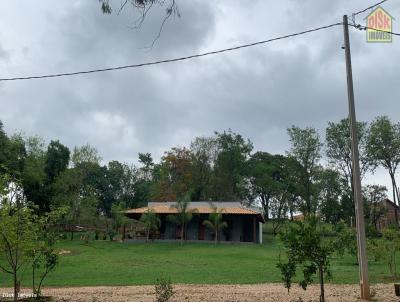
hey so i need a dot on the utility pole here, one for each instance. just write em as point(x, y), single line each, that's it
point(361, 241)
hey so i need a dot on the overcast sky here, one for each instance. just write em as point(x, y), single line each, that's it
point(258, 92)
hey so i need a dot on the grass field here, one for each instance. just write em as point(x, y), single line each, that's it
point(112, 263)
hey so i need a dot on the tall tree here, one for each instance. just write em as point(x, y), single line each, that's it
point(204, 152)
point(292, 176)
point(115, 180)
point(330, 186)
point(373, 196)
point(384, 148)
point(279, 209)
point(338, 147)
point(274, 183)
point(265, 173)
point(95, 182)
point(338, 151)
point(12, 153)
point(85, 154)
point(34, 176)
point(4, 149)
point(230, 166)
point(142, 178)
point(306, 149)
point(71, 192)
point(147, 165)
point(17, 155)
point(57, 159)
point(174, 175)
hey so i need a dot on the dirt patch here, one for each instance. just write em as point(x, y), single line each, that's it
point(64, 252)
point(197, 293)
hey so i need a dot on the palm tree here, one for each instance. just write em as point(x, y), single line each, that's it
point(119, 220)
point(151, 222)
point(215, 222)
point(183, 216)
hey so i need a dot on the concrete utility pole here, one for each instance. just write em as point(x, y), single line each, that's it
point(361, 241)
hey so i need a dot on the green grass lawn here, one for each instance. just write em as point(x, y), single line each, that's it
point(112, 263)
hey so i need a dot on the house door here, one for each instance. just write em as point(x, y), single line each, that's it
point(201, 230)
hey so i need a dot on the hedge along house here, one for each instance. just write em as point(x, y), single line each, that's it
point(243, 224)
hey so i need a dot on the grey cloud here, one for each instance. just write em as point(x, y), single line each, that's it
point(4, 55)
point(258, 92)
point(86, 35)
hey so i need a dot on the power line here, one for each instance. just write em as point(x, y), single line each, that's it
point(201, 54)
point(174, 59)
point(368, 8)
point(362, 27)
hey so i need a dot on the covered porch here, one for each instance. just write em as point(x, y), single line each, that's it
point(243, 224)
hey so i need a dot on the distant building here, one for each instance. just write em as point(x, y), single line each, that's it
point(388, 215)
point(298, 217)
point(244, 224)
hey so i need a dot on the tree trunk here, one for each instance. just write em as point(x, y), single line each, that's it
point(33, 278)
point(265, 204)
point(16, 286)
point(291, 207)
point(216, 236)
point(398, 197)
point(393, 190)
point(308, 193)
point(182, 233)
point(147, 235)
point(123, 233)
point(392, 176)
point(321, 282)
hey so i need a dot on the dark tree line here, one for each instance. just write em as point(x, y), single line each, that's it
point(221, 167)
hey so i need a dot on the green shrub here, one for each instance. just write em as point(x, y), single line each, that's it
point(386, 249)
point(164, 290)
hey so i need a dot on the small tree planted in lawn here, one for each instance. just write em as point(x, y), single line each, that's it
point(183, 216)
point(119, 220)
point(45, 259)
point(151, 222)
point(306, 248)
point(44, 256)
point(215, 222)
point(18, 234)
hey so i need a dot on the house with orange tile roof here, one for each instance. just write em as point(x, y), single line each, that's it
point(243, 224)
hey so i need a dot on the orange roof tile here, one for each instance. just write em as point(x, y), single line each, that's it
point(164, 209)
